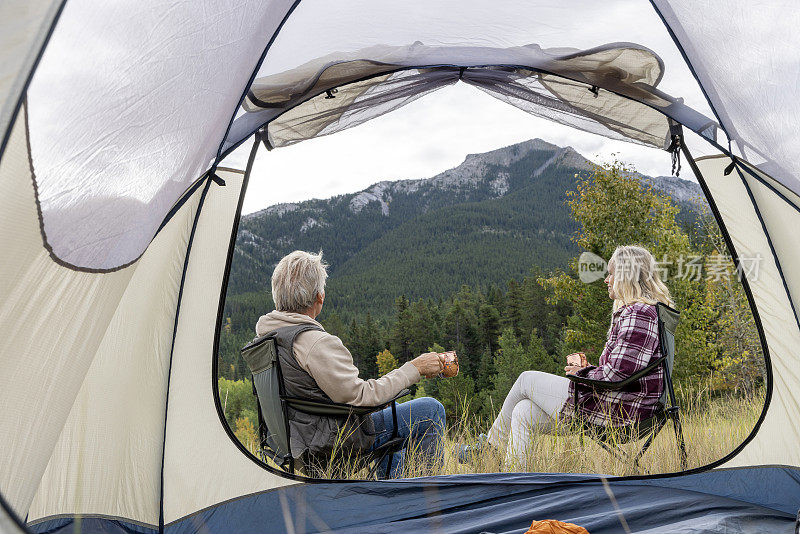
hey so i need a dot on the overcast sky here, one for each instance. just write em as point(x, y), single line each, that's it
point(436, 132)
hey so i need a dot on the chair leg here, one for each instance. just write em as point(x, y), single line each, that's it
point(390, 456)
point(378, 456)
point(373, 472)
point(394, 436)
point(676, 421)
point(646, 446)
point(615, 452)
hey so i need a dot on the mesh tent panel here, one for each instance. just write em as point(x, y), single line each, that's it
point(379, 79)
point(531, 94)
point(354, 104)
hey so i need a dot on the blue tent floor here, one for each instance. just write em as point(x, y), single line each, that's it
point(756, 499)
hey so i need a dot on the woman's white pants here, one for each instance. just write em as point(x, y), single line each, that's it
point(533, 405)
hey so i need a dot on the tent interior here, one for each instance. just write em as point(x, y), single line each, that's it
point(121, 214)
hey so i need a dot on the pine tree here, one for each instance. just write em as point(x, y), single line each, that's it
point(489, 324)
point(509, 362)
point(334, 325)
point(457, 394)
point(513, 312)
point(354, 343)
point(422, 328)
point(372, 344)
point(402, 331)
point(540, 359)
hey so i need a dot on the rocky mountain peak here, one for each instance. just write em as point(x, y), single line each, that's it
point(486, 170)
point(509, 154)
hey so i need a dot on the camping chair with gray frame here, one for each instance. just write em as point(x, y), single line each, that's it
point(273, 416)
point(610, 438)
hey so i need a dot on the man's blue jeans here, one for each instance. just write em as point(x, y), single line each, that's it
point(420, 422)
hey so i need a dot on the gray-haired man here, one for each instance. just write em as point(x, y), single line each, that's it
point(323, 369)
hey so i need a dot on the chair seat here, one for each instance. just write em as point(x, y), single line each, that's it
point(627, 433)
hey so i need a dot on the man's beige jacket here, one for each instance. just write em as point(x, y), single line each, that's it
point(328, 361)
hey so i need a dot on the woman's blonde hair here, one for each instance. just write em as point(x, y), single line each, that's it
point(636, 278)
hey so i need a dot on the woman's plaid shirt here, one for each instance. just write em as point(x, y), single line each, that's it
point(632, 345)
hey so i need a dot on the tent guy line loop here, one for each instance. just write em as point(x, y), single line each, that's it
point(217, 179)
point(730, 168)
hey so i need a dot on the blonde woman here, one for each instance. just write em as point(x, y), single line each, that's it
point(537, 399)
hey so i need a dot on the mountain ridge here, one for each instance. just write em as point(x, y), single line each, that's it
point(677, 188)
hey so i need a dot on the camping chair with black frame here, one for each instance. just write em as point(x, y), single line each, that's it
point(273, 416)
point(610, 438)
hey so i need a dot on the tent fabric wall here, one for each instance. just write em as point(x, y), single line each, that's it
point(116, 329)
point(53, 322)
point(776, 440)
point(110, 448)
point(202, 465)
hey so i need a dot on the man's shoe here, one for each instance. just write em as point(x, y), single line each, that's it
point(469, 453)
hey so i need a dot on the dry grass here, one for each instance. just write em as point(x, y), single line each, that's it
point(712, 428)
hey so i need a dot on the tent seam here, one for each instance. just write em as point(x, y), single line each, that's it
point(172, 348)
point(218, 326)
point(771, 246)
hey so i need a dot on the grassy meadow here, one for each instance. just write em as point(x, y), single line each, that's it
point(713, 426)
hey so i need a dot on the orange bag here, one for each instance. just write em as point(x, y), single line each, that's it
point(552, 526)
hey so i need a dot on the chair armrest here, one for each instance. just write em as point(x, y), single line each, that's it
point(617, 384)
point(390, 401)
point(336, 408)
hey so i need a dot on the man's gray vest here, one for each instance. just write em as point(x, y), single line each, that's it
point(314, 434)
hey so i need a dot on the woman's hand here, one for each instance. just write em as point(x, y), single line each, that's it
point(429, 364)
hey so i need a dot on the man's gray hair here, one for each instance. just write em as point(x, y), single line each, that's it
point(297, 280)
